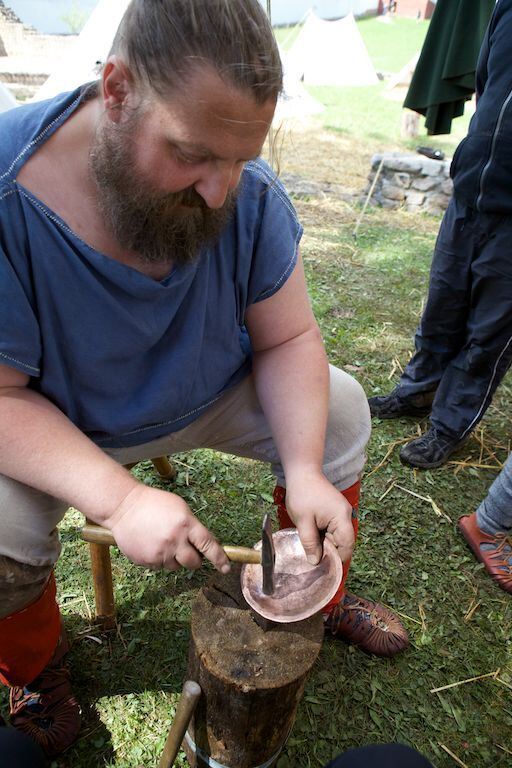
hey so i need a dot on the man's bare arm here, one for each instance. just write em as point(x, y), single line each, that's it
point(292, 380)
point(40, 447)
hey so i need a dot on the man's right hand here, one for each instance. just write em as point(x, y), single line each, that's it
point(157, 529)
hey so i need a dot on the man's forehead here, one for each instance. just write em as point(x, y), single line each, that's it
point(205, 94)
point(206, 127)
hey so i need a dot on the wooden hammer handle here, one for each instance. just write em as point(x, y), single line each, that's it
point(95, 534)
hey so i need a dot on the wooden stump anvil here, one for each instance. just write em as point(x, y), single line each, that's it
point(252, 678)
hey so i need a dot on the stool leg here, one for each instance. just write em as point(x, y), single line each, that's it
point(164, 468)
point(103, 587)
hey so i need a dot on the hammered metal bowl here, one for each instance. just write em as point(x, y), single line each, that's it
point(300, 589)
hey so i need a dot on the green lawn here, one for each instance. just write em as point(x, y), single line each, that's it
point(367, 296)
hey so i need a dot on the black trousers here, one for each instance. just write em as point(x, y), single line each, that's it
point(381, 756)
point(464, 340)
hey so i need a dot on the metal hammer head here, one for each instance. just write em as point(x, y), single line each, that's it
point(268, 556)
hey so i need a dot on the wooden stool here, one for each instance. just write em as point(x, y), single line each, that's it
point(101, 564)
point(251, 673)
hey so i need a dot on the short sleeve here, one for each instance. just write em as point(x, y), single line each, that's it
point(277, 238)
point(20, 342)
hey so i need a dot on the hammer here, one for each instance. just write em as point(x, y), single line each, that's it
point(95, 534)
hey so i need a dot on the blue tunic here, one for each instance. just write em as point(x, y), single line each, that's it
point(127, 358)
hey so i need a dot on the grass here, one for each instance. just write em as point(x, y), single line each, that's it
point(367, 296)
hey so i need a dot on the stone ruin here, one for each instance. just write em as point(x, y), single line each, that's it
point(412, 182)
point(26, 56)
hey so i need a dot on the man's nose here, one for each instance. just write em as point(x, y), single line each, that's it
point(218, 180)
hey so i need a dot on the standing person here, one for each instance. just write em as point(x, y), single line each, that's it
point(152, 301)
point(488, 531)
point(464, 341)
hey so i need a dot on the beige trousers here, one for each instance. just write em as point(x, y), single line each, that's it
point(235, 424)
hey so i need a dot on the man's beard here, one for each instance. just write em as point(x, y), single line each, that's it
point(158, 227)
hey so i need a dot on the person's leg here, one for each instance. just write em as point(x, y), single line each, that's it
point(236, 424)
point(472, 376)
point(488, 530)
point(17, 750)
point(32, 641)
point(494, 515)
point(380, 756)
point(441, 332)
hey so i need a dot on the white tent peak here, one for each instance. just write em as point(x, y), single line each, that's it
point(80, 64)
point(294, 101)
point(331, 53)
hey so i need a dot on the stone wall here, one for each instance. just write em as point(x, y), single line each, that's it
point(412, 182)
point(16, 39)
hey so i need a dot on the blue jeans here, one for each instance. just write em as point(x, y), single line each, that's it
point(494, 515)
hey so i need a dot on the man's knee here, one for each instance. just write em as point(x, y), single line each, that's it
point(20, 584)
point(348, 405)
point(348, 430)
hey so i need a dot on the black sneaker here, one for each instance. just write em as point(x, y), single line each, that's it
point(394, 405)
point(429, 451)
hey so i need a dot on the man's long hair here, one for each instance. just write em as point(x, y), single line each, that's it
point(164, 41)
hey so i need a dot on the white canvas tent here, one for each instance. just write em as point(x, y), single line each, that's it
point(7, 100)
point(294, 101)
point(80, 65)
point(331, 53)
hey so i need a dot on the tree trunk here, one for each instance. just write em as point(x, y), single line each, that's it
point(252, 678)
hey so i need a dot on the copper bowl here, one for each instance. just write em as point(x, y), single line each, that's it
point(300, 589)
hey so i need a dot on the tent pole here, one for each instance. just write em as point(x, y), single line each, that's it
point(271, 130)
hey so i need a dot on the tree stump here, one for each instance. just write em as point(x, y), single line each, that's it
point(252, 675)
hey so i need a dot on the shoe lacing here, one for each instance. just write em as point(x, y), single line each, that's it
point(49, 684)
point(340, 611)
point(501, 554)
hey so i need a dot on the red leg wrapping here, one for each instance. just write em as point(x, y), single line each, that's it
point(352, 496)
point(29, 637)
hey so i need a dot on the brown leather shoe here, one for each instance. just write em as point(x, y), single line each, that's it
point(495, 552)
point(368, 625)
point(46, 709)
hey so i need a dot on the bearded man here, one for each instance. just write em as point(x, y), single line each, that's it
point(153, 301)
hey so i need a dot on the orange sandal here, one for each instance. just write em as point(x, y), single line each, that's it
point(495, 552)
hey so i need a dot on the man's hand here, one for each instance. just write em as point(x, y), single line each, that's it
point(158, 530)
point(315, 505)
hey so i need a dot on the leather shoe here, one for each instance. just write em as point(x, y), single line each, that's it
point(46, 709)
point(370, 626)
point(495, 552)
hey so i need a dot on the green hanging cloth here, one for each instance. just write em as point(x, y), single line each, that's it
point(444, 78)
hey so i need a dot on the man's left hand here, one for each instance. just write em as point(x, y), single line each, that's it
point(315, 505)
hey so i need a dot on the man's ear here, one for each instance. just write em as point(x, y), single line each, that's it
point(117, 86)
